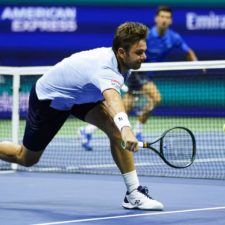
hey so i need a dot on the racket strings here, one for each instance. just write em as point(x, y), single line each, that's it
point(177, 147)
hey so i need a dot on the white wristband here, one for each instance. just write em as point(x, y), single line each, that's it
point(121, 120)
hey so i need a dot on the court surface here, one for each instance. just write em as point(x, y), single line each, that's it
point(56, 198)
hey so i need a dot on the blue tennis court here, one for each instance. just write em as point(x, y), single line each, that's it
point(50, 198)
point(73, 186)
point(35, 198)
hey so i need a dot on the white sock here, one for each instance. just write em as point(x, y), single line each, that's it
point(131, 180)
point(138, 127)
point(90, 128)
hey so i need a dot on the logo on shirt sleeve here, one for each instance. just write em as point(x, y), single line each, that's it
point(116, 84)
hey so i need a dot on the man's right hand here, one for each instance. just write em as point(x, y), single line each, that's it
point(129, 140)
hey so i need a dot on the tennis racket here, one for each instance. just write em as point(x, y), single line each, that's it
point(176, 147)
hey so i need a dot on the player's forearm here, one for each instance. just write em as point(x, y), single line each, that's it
point(117, 110)
point(113, 101)
point(191, 56)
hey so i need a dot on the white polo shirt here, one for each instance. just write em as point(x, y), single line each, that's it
point(80, 78)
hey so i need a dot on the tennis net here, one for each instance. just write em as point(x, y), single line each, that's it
point(192, 95)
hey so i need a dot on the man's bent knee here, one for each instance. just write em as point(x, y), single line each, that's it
point(28, 162)
point(27, 157)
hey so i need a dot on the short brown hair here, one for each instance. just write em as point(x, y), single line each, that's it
point(128, 34)
point(164, 8)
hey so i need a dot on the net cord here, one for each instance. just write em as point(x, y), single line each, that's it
point(164, 66)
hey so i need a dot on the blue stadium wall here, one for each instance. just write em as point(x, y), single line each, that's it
point(32, 34)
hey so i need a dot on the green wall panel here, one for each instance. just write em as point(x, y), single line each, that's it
point(197, 3)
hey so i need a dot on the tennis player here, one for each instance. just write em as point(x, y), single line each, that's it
point(161, 41)
point(87, 85)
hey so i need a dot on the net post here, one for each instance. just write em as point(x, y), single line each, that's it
point(15, 112)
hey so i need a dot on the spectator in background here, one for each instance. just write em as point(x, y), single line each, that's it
point(161, 41)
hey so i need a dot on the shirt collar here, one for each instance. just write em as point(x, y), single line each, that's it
point(156, 34)
point(115, 63)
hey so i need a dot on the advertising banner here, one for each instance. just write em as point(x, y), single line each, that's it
point(41, 35)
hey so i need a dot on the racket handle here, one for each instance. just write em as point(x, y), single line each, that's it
point(140, 144)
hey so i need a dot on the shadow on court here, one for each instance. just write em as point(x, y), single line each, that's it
point(50, 198)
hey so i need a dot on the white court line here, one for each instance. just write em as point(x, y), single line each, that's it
point(7, 171)
point(133, 215)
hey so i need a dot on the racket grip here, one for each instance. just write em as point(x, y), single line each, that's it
point(140, 144)
point(143, 144)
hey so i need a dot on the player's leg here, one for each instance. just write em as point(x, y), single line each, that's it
point(100, 117)
point(152, 94)
point(136, 196)
point(135, 84)
point(42, 124)
point(128, 101)
point(153, 97)
point(86, 133)
point(19, 154)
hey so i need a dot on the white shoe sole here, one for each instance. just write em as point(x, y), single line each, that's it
point(157, 206)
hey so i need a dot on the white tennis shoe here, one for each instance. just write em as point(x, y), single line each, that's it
point(139, 199)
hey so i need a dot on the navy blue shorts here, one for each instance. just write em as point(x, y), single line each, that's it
point(43, 122)
point(137, 80)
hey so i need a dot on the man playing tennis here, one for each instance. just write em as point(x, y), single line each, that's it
point(161, 41)
point(87, 85)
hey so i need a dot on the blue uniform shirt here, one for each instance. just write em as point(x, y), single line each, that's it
point(158, 47)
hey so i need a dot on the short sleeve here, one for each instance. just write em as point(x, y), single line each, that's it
point(180, 43)
point(108, 79)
